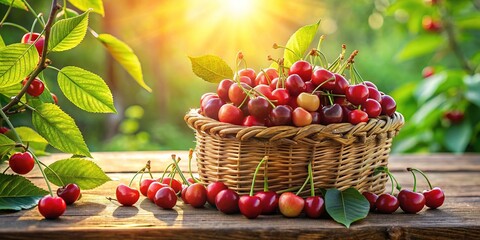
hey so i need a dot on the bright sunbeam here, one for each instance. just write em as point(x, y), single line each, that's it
point(237, 8)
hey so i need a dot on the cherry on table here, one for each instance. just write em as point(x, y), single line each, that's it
point(290, 205)
point(196, 195)
point(153, 188)
point(182, 194)
point(173, 183)
point(314, 207)
point(372, 199)
point(269, 200)
point(411, 202)
point(226, 201)
point(250, 206)
point(434, 198)
point(70, 193)
point(126, 195)
point(386, 203)
point(145, 184)
point(303, 69)
point(165, 198)
point(21, 163)
point(51, 207)
point(213, 189)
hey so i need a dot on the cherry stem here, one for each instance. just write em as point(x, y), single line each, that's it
point(310, 174)
point(165, 172)
point(15, 25)
point(54, 173)
point(43, 173)
point(276, 46)
point(288, 189)
point(423, 174)
point(393, 180)
point(414, 181)
point(303, 186)
point(320, 41)
point(321, 84)
point(255, 174)
point(265, 177)
point(190, 156)
point(30, 9)
point(178, 168)
point(7, 13)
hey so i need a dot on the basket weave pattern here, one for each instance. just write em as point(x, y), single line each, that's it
point(343, 155)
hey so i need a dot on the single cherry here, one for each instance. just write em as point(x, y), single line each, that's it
point(145, 184)
point(248, 72)
point(357, 94)
point(250, 206)
point(372, 199)
point(374, 94)
point(434, 198)
point(303, 69)
point(252, 121)
point(229, 113)
point(301, 117)
point(309, 102)
point(269, 200)
point(411, 202)
point(212, 107)
point(223, 88)
point(266, 76)
point(166, 198)
point(281, 96)
point(357, 116)
point(264, 90)
point(153, 188)
point(295, 85)
point(226, 201)
point(388, 105)
point(36, 88)
point(21, 163)
point(173, 183)
point(51, 207)
point(341, 84)
point(70, 193)
point(281, 116)
point(259, 107)
point(372, 108)
point(237, 93)
point(314, 207)
point(324, 78)
point(213, 189)
point(454, 116)
point(29, 38)
point(196, 195)
point(386, 203)
point(290, 205)
point(126, 195)
point(332, 114)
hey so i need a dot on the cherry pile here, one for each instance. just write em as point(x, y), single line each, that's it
point(301, 95)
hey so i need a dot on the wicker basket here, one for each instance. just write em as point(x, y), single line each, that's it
point(343, 155)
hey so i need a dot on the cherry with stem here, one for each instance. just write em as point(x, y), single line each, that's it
point(251, 206)
point(386, 202)
point(314, 205)
point(434, 197)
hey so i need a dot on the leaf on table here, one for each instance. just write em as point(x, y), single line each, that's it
point(60, 131)
point(84, 5)
point(86, 90)
point(347, 206)
point(420, 46)
point(68, 33)
point(473, 88)
point(17, 193)
point(16, 62)
point(85, 173)
point(299, 43)
point(124, 55)
point(211, 68)
point(16, 4)
point(457, 136)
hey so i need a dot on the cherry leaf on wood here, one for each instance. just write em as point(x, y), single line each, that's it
point(85, 173)
point(124, 55)
point(16, 4)
point(17, 193)
point(347, 206)
point(68, 33)
point(86, 90)
point(16, 62)
point(59, 129)
point(298, 43)
point(211, 68)
point(84, 5)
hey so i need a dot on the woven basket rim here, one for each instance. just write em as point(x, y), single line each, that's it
point(341, 132)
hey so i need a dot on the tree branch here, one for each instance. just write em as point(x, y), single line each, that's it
point(41, 65)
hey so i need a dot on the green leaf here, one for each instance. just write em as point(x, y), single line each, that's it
point(85, 173)
point(211, 68)
point(84, 5)
point(68, 33)
point(29, 135)
point(2, 43)
point(6, 145)
point(469, 22)
point(427, 109)
point(429, 86)
point(17, 193)
point(59, 129)
point(16, 62)
point(16, 4)
point(124, 55)
point(10, 91)
point(86, 90)
point(473, 88)
point(299, 43)
point(420, 46)
point(346, 207)
point(458, 136)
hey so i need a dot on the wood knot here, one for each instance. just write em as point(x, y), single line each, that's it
point(394, 233)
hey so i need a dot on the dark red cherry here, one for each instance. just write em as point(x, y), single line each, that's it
point(331, 114)
point(250, 206)
point(303, 69)
point(372, 199)
point(411, 202)
point(314, 207)
point(388, 105)
point(281, 116)
point(226, 201)
point(70, 193)
point(357, 94)
point(341, 84)
point(434, 198)
point(387, 203)
point(213, 189)
point(295, 85)
point(269, 200)
point(222, 89)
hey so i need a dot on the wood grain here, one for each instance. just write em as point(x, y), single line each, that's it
point(95, 217)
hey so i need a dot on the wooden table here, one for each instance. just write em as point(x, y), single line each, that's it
point(94, 217)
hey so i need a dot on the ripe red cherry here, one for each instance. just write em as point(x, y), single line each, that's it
point(273, 84)
point(316, 118)
point(226, 201)
point(303, 69)
point(431, 25)
point(4, 130)
point(126, 195)
point(213, 189)
point(165, 198)
point(173, 183)
point(230, 114)
point(153, 188)
point(196, 195)
point(250, 206)
point(264, 90)
point(309, 102)
point(325, 78)
point(248, 72)
point(280, 116)
point(370, 84)
point(236, 93)
point(252, 121)
point(387, 203)
point(30, 39)
point(331, 114)
point(301, 117)
point(222, 89)
point(357, 94)
point(36, 88)
point(70, 193)
point(372, 198)
point(357, 116)
point(51, 207)
point(411, 202)
point(290, 205)
point(55, 98)
point(434, 198)
point(295, 85)
point(269, 200)
point(145, 184)
point(266, 76)
point(372, 108)
point(428, 71)
point(454, 116)
point(259, 107)
point(281, 96)
point(314, 207)
point(341, 84)
point(388, 105)
point(246, 80)
point(205, 97)
point(21, 163)
point(374, 94)
point(212, 107)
